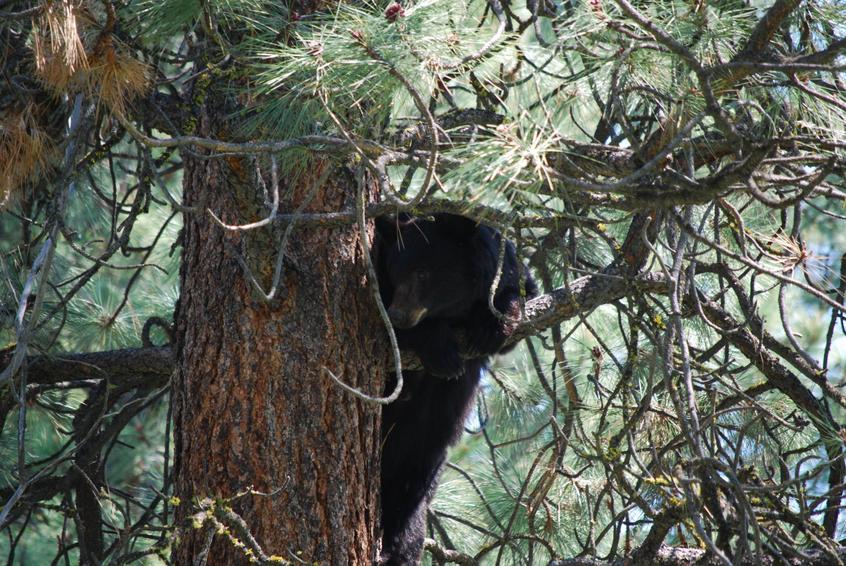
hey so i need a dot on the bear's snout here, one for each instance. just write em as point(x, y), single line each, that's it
point(402, 318)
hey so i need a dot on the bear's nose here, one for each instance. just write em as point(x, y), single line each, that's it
point(406, 318)
point(399, 318)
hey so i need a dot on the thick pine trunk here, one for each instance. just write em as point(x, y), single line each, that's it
point(253, 406)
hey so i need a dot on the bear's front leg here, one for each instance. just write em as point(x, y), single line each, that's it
point(486, 333)
point(433, 340)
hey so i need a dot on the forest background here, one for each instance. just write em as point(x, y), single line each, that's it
point(186, 195)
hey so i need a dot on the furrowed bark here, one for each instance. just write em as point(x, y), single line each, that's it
point(253, 406)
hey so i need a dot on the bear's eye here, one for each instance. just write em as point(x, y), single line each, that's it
point(422, 275)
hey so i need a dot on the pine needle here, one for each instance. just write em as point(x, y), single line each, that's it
point(57, 42)
point(25, 151)
point(116, 76)
point(73, 54)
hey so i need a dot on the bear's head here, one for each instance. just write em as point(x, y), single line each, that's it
point(426, 267)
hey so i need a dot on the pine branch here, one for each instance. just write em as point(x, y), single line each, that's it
point(672, 556)
point(151, 367)
point(129, 367)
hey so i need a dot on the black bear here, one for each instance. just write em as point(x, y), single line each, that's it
point(435, 276)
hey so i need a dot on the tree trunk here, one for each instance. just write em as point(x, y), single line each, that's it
point(254, 407)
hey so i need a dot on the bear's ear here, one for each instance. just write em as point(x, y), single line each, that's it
point(460, 227)
point(390, 224)
point(386, 226)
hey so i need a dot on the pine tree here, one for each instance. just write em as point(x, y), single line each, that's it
point(187, 191)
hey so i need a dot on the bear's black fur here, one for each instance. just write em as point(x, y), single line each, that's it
point(435, 276)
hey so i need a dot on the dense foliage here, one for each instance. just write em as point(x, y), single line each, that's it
point(672, 172)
